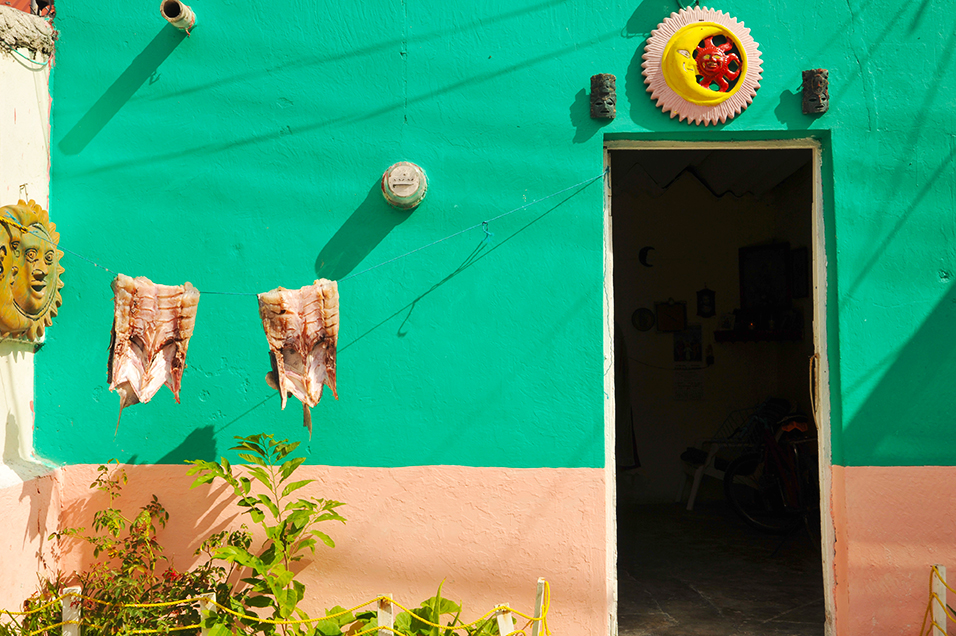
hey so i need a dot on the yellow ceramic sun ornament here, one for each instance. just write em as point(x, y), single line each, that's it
point(702, 65)
point(691, 54)
point(30, 270)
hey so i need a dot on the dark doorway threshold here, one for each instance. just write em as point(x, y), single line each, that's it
point(705, 573)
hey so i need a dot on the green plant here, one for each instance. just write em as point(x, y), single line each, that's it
point(41, 607)
point(129, 571)
point(414, 623)
point(289, 526)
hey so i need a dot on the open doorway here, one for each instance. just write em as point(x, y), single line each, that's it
point(718, 295)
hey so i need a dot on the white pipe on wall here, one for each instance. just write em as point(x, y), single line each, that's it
point(178, 14)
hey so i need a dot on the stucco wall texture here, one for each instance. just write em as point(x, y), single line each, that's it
point(247, 156)
point(896, 522)
point(488, 533)
point(29, 505)
point(31, 511)
point(240, 161)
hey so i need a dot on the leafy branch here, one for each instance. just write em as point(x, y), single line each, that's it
point(263, 488)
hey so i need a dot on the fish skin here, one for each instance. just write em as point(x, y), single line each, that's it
point(152, 325)
point(302, 327)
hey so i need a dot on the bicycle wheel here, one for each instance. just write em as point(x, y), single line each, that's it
point(757, 496)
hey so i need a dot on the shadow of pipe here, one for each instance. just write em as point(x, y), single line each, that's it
point(350, 118)
point(116, 96)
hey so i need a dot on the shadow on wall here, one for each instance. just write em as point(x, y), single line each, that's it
point(481, 24)
point(42, 520)
point(200, 444)
point(907, 418)
point(789, 110)
point(11, 451)
point(194, 514)
point(480, 251)
point(235, 142)
point(581, 118)
point(646, 17)
point(143, 68)
point(359, 235)
point(37, 487)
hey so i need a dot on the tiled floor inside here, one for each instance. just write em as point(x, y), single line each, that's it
point(705, 573)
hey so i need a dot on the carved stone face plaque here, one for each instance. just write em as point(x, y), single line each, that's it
point(603, 96)
point(816, 91)
point(30, 270)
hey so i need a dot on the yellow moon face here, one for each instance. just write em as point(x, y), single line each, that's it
point(680, 68)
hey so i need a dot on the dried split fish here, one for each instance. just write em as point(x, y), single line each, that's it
point(302, 327)
point(152, 325)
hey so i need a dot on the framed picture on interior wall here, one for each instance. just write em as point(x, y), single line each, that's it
point(643, 319)
point(765, 276)
point(671, 315)
point(706, 302)
point(688, 348)
point(726, 322)
point(800, 272)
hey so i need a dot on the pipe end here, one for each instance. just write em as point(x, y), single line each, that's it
point(178, 14)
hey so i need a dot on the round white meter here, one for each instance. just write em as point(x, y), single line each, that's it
point(404, 185)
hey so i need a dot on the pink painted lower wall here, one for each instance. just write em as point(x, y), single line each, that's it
point(489, 533)
point(29, 512)
point(892, 524)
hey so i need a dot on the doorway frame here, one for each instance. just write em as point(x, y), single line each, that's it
point(819, 365)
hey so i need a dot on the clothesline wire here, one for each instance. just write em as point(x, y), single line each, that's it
point(483, 225)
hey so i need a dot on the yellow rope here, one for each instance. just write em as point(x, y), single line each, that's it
point(98, 601)
point(933, 624)
point(945, 609)
point(942, 580)
point(163, 631)
point(370, 630)
point(929, 605)
point(43, 629)
point(38, 609)
point(545, 607)
point(299, 621)
point(934, 572)
point(163, 604)
point(127, 631)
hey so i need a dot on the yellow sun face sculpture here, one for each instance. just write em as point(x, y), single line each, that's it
point(687, 57)
point(30, 270)
point(702, 65)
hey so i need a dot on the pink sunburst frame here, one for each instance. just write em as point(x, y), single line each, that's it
point(668, 100)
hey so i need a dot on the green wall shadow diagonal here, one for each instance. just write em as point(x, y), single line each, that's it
point(907, 418)
point(106, 107)
point(359, 235)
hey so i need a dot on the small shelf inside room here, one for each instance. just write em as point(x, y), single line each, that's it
point(757, 335)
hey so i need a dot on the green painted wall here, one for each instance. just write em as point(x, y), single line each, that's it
point(248, 155)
